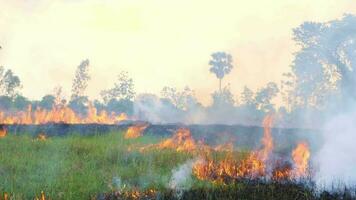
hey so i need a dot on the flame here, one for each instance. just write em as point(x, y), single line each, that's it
point(267, 139)
point(255, 165)
point(135, 131)
point(3, 132)
point(182, 140)
point(301, 155)
point(41, 137)
point(60, 114)
point(282, 171)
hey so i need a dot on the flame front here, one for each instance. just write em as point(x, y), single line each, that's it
point(255, 164)
point(135, 131)
point(182, 140)
point(301, 155)
point(41, 137)
point(3, 132)
point(60, 114)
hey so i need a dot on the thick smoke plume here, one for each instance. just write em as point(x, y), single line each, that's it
point(336, 160)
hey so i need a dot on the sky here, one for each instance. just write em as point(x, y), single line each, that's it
point(158, 42)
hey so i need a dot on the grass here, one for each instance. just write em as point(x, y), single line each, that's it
point(96, 167)
point(79, 167)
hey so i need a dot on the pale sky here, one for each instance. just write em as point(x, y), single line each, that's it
point(159, 42)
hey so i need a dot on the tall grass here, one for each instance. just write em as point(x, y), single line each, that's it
point(80, 167)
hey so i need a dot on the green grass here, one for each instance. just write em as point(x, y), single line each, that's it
point(80, 167)
point(88, 167)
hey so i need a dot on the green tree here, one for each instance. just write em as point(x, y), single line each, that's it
point(123, 89)
point(47, 102)
point(80, 81)
point(182, 100)
point(264, 96)
point(221, 64)
point(247, 97)
point(9, 83)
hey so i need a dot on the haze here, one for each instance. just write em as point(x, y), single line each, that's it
point(160, 43)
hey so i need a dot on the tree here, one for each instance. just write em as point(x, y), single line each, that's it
point(123, 89)
point(79, 105)
point(80, 81)
point(223, 98)
point(5, 103)
point(182, 100)
point(9, 83)
point(221, 64)
point(247, 96)
point(264, 96)
point(325, 64)
point(60, 101)
point(21, 102)
point(47, 102)
point(120, 106)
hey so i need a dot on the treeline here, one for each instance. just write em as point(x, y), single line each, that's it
point(322, 77)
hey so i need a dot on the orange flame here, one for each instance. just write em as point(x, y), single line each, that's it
point(182, 140)
point(301, 155)
point(135, 131)
point(267, 139)
point(3, 132)
point(254, 165)
point(41, 137)
point(60, 114)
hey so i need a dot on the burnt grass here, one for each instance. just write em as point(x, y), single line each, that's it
point(247, 137)
point(257, 190)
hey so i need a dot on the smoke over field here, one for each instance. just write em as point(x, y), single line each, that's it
point(178, 100)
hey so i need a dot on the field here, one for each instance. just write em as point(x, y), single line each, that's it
point(111, 166)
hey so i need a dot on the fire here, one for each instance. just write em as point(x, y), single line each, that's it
point(3, 132)
point(267, 139)
point(228, 169)
point(135, 131)
point(181, 141)
point(41, 137)
point(60, 114)
point(301, 155)
point(256, 165)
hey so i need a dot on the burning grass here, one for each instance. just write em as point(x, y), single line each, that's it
point(113, 167)
point(135, 131)
point(60, 114)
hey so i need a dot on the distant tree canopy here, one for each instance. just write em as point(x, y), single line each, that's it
point(9, 83)
point(221, 64)
point(180, 99)
point(123, 89)
point(247, 97)
point(47, 102)
point(265, 95)
point(326, 62)
point(119, 98)
point(80, 81)
point(224, 98)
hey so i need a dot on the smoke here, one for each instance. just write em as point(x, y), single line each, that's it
point(150, 108)
point(336, 160)
point(182, 177)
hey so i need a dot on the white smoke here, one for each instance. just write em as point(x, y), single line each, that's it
point(182, 176)
point(150, 108)
point(336, 160)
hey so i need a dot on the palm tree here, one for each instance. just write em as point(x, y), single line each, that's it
point(221, 64)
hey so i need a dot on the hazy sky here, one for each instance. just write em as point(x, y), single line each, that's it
point(160, 43)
